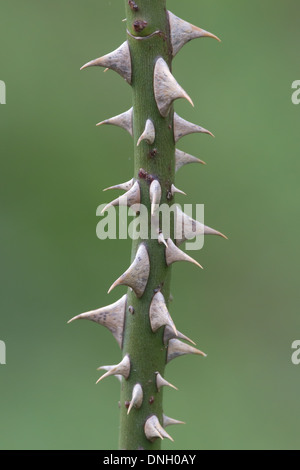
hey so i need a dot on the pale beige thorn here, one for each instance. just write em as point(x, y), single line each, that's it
point(155, 195)
point(212, 231)
point(161, 239)
point(182, 158)
point(167, 421)
point(161, 382)
point(149, 133)
point(187, 228)
point(119, 377)
point(169, 334)
point(118, 60)
point(112, 317)
point(106, 70)
point(154, 429)
point(175, 190)
point(183, 127)
point(159, 314)
point(137, 274)
point(174, 254)
point(137, 398)
point(166, 88)
point(177, 348)
point(130, 198)
point(124, 186)
point(123, 368)
point(183, 32)
point(123, 120)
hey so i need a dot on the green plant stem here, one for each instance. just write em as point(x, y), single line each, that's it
point(145, 348)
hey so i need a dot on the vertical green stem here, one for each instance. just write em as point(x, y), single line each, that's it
point(149, 38)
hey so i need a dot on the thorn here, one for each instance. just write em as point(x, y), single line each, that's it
point(161, 239)
point(155, 195)
point(176, 190)
point(169, 421)
point(153, 429)
point(118, 60)
point(124, 19)
point(123, 120)
point(187, 228)
point(130, 198)
point(174, 254)
point(149, 133)
point(124, 186)
point(123, 368)
point(161, 382)
point(183, 127)
point(106, 70)
point(112, 317)
point(137, 398)
point(137, 274)
point(169, 334)
point(159, 314)
point(182, 158)
point(119, 377)
point(183, 32)
point(166, 88)
point(177, 348)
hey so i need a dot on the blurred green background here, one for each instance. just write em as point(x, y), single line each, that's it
point(242, 310)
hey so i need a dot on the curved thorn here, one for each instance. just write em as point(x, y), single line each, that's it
point(183, 127)
point(137, 274)
point(123, 120)
point(159, 314)
point(166, 88)
point(167, 421)
point(161, 382)
point(130, 198)
point(175, 190)
point(183, 32)
point(174, 254)
point(137, 398)
point(182, 158)
point(153, 429)
point(149, 133)
point(118, 60)
point(112, 317)
point(124, 186)
point(177, 348)
point(187, 228)
point(123, 368)
point(161, 239)
point(169, 334)
point(107, 368)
